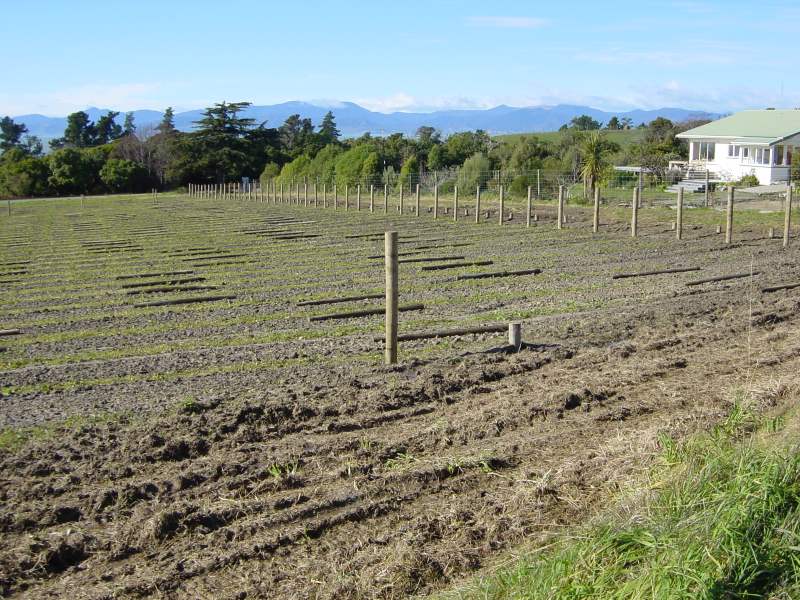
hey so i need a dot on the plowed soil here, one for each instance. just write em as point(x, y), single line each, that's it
point(233, 449)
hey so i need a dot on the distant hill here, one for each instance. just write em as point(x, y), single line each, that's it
point(354, 120)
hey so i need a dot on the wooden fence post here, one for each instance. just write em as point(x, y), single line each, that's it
point(305, 193)
point(316, 195)
point(390, 253)
point(347, 197)
point(385, 198)
point(478, 204)
point(679, 215)
point(371, 198)
point(416, 201)
point(635, 212)
point(596, 215)
point(560, 209)
point(401, 198)
point(358, 197)
point(502, 206)
point(729, 216)
point(528, 210)
point(707, 191)
point(455, 203)
point(515, 335)
point(435, 199)
point(787, 215)
point(335, 198)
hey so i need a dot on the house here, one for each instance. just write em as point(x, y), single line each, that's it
point(751, 142)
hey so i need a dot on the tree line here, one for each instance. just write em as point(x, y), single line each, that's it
point(224, 146)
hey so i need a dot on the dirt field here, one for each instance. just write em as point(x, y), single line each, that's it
point(234, 449)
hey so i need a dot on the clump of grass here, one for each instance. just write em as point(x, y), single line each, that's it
point(722, 520)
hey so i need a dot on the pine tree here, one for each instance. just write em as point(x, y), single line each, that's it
point(327, 130)
point(11, 134)
point(167, 125)
point(128, 127)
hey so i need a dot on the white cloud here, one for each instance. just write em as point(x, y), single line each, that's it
point(125, 96)
point(508, 22)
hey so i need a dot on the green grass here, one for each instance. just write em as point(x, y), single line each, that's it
point(720, 520)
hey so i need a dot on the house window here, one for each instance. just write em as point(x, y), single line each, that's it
point(745, 152)
point(733, 150)
point(762, 156)
point(778, 155)
point(706, 151)
point(788, 160)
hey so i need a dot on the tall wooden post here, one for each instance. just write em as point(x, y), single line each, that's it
point(371, 198)
point(538, 184)
point(639, 197)
point(305, 193)
point(560, 208)
point(679, 215)
point(416, 201)
point(435, 199)
point(316, 195)
point(501, 216)
point(635, 212)
point(455, 203)
point(324, 195)
point(596, 215)
point(729, 216)
point(787, 215)
point(347, 197)
point(401, 198)
point(335, 198)
point(707, 191)
point(478, 204)
point(392, 294)
point(358, 197)
point(385, 198)
point(528, 209)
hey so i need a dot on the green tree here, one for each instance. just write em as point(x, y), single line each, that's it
point(614, 124)
point(80, 132)
point(371, 169)
point(167, 124)
point(71, 171)
point(436, 157)
point(22, 175)
point(475, 172)
point(105, 130)
point(584, 123)
point(594, 160)
point(328, 132)
point(409, 172)
point(350, 164)
point(121, 175)
point(128, 126)
point(11, 134)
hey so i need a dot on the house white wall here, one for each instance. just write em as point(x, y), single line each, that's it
point(746, 159)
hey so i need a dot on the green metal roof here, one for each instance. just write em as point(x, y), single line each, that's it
point(751, 126)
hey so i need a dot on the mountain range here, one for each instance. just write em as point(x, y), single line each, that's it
point(354, 120)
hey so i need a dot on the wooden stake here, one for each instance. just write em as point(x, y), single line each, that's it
point(358, 197)
point(515, 335)
point(679, 215)
point(560, 209)
point(347, 197)
point(528, 211)
point(435, 200)
point(596, 215)
point(416, 201)
point(707, 191)
point(787, 216)
point(478, 204)
point(385, 198)
point(401, 198)
point(335, 197)
point(501, 216)
point(305, 193)
point(635, 212)
point(729, 216)
point(371, 198)
point(455, 203)
point(392, 295)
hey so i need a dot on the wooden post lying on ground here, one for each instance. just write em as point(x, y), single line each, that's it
point(596, 215)
point(515, 335)
point(390, 253)
point(371, 198)
point(560, 209)
point(729, 216)
point(635, 212)
point(502, 205)
point(478, 204)
point(416, 201)
point(679, 215)
point(528, 211)
point(455, 203)
point(787, 216)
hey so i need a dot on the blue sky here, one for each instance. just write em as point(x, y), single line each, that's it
point(62, 56)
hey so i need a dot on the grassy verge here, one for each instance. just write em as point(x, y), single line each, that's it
point(719, 519)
